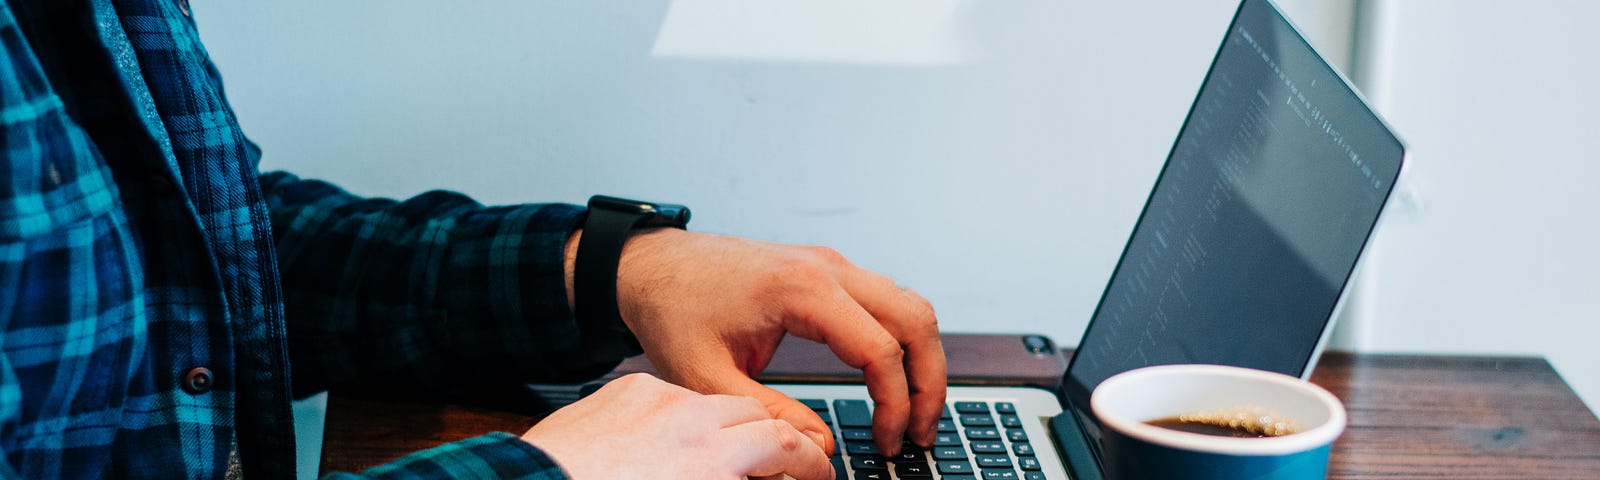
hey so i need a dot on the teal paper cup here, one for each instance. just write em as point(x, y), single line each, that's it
point(1135, 450)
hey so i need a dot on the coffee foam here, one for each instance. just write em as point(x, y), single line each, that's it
point(1251, 419)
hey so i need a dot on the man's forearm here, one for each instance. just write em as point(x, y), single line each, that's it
point(425, 292)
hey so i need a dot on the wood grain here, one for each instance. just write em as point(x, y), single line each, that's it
point(1458, 417)
point(1410, 417)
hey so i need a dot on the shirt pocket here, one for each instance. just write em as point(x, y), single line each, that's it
point(51, 173)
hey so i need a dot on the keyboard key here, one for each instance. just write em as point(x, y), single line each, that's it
point(993, 461)
point(1005, 407)
point(1016, 435)
point(1022, 449)
point(988, 447)
point(913, 470)
point(984, 434)
point(984, 420)
point(1006, 474)
point(972, 407)
point(1028, 463)
point(957, 476)
point(1010, 421)
point(852, 413)
point(815, 404)
point(946, 413)
point(947, 426)
point(874, 475)
point(856, 434)
point(910, 454)
point(946, 439)
point(861, 448)
point(868, 462)
point(954, 452)
point(954, 466)
point(1030, 476)
point(839, 471)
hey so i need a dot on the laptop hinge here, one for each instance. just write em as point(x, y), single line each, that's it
point(1073, 441)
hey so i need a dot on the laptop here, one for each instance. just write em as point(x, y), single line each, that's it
point(1240, 257)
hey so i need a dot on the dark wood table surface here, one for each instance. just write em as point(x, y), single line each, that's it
point(1411, 416)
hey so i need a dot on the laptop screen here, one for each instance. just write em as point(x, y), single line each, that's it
point(1256, 221)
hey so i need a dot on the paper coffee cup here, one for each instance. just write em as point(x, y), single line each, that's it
point(1134, 450)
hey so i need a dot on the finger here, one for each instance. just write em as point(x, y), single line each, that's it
point(910, 319)
point(771, 447)
point(835, 319)
point(771, 403)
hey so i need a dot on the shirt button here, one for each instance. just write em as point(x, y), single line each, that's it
point(198, 380)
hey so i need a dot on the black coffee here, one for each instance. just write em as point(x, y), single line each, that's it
point(1175, 423)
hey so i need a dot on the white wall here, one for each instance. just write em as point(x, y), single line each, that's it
point(991, 154)
point(999, 176)
point(1498, 253)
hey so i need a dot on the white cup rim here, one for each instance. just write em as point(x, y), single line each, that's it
point(1314, 437)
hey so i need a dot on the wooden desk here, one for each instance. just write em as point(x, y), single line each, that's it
point(1410, 417)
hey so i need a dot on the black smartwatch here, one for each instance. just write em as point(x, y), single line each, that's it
point(606, 227)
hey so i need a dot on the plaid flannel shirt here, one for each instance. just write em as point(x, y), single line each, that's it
point(140, 251)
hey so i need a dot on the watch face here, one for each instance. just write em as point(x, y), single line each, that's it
point(653, 214)
point(620, 204)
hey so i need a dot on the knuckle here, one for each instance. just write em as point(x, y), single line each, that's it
point(923, 304)
point(782, 434)
point(930, 322)
point(887, 348)
point(828, 255)
point(924, 310)
point(634, 380)
point(648, 386)
point(676, 397)
point(637, 377)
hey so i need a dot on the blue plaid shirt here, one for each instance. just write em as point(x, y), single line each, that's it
point(155, 290)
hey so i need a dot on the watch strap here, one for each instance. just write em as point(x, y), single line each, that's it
point(595, 283)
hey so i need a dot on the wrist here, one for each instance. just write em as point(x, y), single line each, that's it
point(569, 264)
point(643, 258)
point(610, 224)
point(636, 253)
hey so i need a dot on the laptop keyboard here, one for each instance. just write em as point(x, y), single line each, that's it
point(976, 440)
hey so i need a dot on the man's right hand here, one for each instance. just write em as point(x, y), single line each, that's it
point(641, 427)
